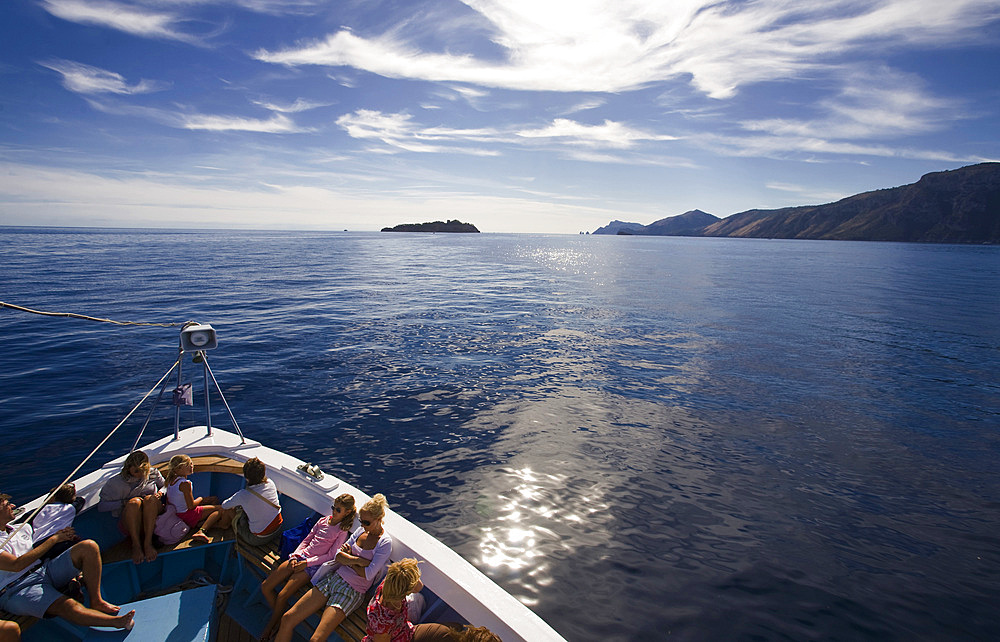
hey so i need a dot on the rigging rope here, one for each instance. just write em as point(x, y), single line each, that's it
point(87, 458)
point(83, 316)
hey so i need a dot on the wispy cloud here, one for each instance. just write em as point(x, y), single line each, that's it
point(85, 79)
point(299, 105)
point(401, 131)
point(136, 20)
point(594, 45)
point(276, 124)
point(872, 104)
point(609, 134)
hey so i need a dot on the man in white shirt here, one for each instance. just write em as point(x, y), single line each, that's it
point(31, 587)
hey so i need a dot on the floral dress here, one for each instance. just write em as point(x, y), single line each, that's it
point(382, 619)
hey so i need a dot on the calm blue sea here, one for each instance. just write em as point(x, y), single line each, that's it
point(642, 438)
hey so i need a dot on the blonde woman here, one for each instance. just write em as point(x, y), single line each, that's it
point(180, 494)
point(134, 496)
point(339, 586)
point(320, 546)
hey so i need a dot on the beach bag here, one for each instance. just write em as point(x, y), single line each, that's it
point(169, 527)
point(291, 538)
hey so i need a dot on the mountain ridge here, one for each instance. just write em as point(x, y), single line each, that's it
point(952, 206)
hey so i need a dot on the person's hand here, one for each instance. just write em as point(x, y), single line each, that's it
point(298, 566)
point(346, 548)
point(67, 534)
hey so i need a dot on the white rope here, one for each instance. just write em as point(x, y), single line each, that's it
point(87, 458)
point(73, 315)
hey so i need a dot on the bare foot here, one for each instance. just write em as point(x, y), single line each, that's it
point(150, 552)
point(125, 621)
point(200, 536)
point(268, 634)
point(138, 556)
point(105, 607)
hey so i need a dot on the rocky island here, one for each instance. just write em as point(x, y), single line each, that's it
point(436, 226)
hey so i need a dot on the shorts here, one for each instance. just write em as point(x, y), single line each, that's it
point(193, 516)
point(241, 524)
point(339, 593)
point(34, 593)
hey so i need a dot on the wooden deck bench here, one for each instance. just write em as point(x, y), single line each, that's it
point(262, 559)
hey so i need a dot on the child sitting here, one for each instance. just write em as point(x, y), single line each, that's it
point(180, 492)
point(321, 545)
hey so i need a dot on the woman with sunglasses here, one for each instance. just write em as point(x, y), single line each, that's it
point(339, 586)
point(321, 545)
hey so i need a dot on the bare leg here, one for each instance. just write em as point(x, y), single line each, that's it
point(279, 604)
point(221, 518)
point(86, 556)
point(277, 576)
point(77, 613)
point(328, 622)
point(9, 631)
point(308, 604)
point(150, 509)
point(131, 522)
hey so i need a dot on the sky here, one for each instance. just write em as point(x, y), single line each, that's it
point(524, 116)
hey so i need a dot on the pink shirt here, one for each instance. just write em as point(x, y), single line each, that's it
point(322, 543)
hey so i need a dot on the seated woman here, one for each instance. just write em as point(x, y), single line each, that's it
point(389, 619)
point(253, 511)
point(134, 496)
point(339, 586)
point(320, 546)
point(180, 493)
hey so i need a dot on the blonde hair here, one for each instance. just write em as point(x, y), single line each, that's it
point(350, 512)
point(176, 462)
point(400, 579)
point(474, 634)
point(376, 506)
point(136, 459)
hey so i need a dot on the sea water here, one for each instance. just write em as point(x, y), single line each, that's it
point(641, 438)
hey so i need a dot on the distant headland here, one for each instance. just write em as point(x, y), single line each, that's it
point(957, 206)
point(436, 226)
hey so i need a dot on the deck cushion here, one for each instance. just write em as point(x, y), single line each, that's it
point(178, 617)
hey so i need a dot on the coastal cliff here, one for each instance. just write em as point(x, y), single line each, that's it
point(956, 206)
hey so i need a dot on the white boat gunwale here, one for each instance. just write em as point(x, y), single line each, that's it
point(457, 582)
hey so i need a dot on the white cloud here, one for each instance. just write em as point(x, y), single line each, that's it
point(399, 131)
point(609, 134)
point(85, 79)
point(594, 45)
point(138, 21)
point(277, 124)
point(299, 105)
point(880, 104)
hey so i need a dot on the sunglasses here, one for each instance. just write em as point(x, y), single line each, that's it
point(336, 509)
point(365, 522)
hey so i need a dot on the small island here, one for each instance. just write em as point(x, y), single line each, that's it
point(436, 226)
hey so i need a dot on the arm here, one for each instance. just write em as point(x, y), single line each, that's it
point(381, 558)
point(9, 562)
point(113, 495)
point(297, 553)
point(334, 541)
point(186, 490)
